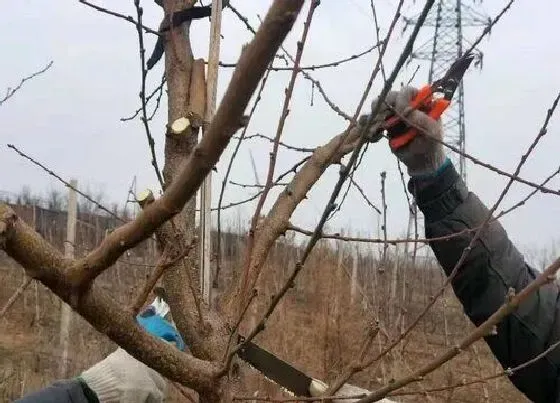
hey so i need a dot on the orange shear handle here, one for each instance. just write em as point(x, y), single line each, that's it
point(424, 101)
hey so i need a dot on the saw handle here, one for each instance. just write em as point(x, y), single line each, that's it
point(402, 134)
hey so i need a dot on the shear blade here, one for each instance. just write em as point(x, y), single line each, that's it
point(450, 81)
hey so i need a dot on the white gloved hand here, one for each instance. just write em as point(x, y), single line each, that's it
point(120, 378)
point(424, 155)
point(318, 389)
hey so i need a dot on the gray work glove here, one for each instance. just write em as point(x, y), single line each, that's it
point(120, 378)
point(375, 133)
point(318, 389)
point(423, 157)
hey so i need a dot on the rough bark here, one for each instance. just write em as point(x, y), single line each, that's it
point(181, 279)
point(47, 265)
point(73, 280)
point(250, 69)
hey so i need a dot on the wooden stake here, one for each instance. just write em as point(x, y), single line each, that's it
point(206, 189)
point(66, 311)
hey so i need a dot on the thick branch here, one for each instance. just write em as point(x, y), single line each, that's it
point(277, 222)
point(44, 263)
point(182, 293)
point(250, 69)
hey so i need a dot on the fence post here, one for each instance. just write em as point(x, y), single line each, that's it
point(66, 311)
point(354, 278)
point(206, 189)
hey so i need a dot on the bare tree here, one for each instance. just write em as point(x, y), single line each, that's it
point(207, 369)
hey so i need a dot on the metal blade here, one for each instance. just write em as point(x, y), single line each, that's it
point(275, 369)
point(272, 367)
point(449, 83)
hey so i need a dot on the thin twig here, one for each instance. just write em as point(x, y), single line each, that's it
point(376, 24)
point(127, 18)
point(157, 91)
point(367, 200)
point(274, 153)
point(293, 169)
point(228, 172)
point(289, 147)
point(350, 181)
point(488, 28)
point(161, 266)
point(371, 334)
point(363, 137)
point(158, 98)
point(492, 168)
point(11, 91)
point(142, 95)
point(403, 182)
point(314, 67)
point(323, 93)
point(506, 372)
point(413, 74)
point(15, 295)
point(305, 74)
point(237, 203)
point(526, 198)
point(416, 238)
point(511, 303)
point(254, 185)
point(65, 183)
point(230, 353)
point(384, 224)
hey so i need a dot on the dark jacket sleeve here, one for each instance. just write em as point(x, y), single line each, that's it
point(492, 267)
point(67, 391)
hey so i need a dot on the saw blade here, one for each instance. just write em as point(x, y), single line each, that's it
point(275, 369)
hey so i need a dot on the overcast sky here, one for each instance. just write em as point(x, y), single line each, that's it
point(69, 117)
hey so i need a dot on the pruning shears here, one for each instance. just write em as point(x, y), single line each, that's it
point(400, 134)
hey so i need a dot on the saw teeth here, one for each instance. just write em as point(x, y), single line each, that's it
point(289, 392)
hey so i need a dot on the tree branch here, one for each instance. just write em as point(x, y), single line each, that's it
point(127, 18)
point(15, 295)
point(142, 95)
point(44, 263)
point(511, 304)
point(274, 153)
point(11, 91)
point(252, 65)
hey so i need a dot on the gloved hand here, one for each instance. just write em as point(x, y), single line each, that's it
point(423, 156)
point(374, 134)
point(121, 378)
point(318, 388)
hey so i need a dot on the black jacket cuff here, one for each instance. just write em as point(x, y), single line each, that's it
point(436, 197)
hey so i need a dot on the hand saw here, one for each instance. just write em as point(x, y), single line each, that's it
point(272, 367)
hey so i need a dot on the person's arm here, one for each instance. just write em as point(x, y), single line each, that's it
point(68, 391)
point(117, 378)
point(492, 267)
